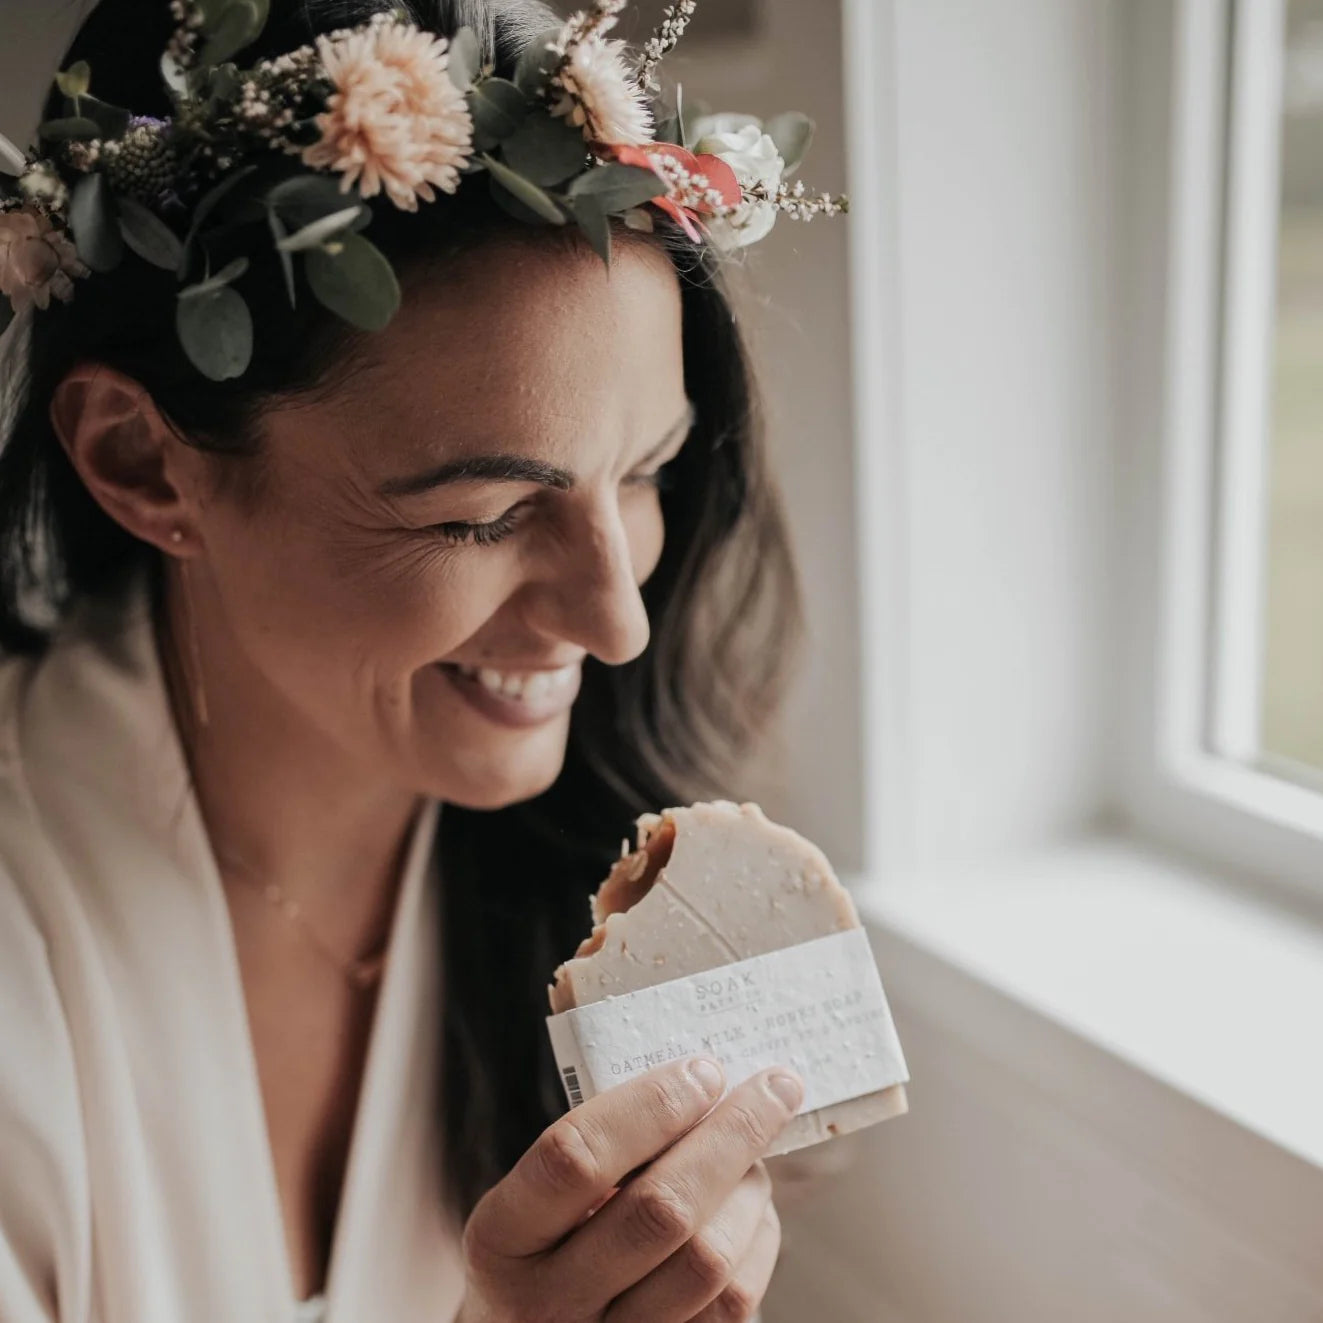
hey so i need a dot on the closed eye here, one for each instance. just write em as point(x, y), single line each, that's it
point(492, 531)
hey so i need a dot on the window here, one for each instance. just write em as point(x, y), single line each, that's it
point(1239, 694)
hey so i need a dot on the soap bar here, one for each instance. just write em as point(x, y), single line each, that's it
point(706, 887)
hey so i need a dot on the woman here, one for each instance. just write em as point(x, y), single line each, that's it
point(273, 1017)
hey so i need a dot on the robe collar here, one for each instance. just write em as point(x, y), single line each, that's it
point(109, 780)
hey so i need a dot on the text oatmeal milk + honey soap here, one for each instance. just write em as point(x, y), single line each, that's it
point(727, 934)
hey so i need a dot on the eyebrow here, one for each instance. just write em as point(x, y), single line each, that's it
point(511, 468)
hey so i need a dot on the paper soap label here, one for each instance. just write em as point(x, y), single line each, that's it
point(817, 1007)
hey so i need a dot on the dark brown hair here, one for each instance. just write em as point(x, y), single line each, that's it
point(663, 729)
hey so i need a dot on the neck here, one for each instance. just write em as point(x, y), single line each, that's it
point(281, 802)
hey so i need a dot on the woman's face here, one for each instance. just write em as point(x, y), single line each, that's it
point(439, 542)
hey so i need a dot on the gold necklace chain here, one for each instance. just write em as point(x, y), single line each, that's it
point(361, 974)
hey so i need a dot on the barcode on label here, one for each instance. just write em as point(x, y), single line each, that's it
point(572, 1089)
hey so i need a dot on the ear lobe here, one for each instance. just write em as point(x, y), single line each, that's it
point(123, 449)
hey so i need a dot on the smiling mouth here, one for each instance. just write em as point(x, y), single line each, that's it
point(516, 698)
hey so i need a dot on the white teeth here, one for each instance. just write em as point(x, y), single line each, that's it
point(528, 686)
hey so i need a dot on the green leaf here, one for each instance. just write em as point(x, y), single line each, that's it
point(465, 58)
point(216, 331)
point(222, 82)
point(352, 278)
point(278, 233)
point(537, 63)
point(305, 198)
point(73, 128)
point(671, 129)
point(639, 218)
point(315, 234)
point(149, 236)
point(532, 197)
point(596, 224)
point(110, 120)
point(690, 114)
point(792, 132)
point(545, 150)
point(94, 223)
point(75, 80)
point(230, 272)
point(240, 24)
point(498, 108)
point(617, 187)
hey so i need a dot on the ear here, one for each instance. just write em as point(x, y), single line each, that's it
point(129, 457)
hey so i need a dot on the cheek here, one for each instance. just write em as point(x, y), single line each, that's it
point(351, 605)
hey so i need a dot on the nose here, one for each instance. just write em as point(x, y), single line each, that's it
point(591, 595)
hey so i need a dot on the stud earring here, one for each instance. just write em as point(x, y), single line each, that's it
point(176, 535)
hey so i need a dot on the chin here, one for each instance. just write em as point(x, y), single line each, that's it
point(494, 783)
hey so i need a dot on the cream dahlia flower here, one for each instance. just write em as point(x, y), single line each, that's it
point(599, 95)
point(36, 260)
point(396, 121)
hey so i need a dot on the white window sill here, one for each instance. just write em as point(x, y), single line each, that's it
point(1209, 990)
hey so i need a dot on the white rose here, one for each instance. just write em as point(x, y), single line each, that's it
point(752, 155)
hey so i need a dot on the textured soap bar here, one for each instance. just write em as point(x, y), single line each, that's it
point(708, 886)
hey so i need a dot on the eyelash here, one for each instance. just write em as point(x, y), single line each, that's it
point(495, 530)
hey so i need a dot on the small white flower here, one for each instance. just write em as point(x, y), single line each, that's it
point(40, 183)
point(740, 141)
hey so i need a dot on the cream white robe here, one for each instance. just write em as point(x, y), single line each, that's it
point(136, 1178)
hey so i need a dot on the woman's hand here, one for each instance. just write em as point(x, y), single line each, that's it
point(687, 1235)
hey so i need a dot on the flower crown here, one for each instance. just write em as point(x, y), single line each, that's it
point(285, 152)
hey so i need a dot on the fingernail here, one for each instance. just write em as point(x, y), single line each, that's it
point(711, 1079)
point(787, 1088)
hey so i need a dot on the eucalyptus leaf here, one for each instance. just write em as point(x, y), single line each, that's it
point(352, 278)
point(498, 107)
point(149, 236)
point(75, 80)
point(617, 187)
point(792, 132)
point(528, 193)
point(230, 272)
point(239, 25)
point(511, 205)
point(693, 112)
point(544, 149)
point(595, 223)
point(110, 120)
point(223, 82)
point(537, 63)
point(72, 128)
point(278, 233)
point(216, 331)
point(302, 199)
point(12, 161)
point(94, 223)
point(639, 218)
point(315, 234)
point(465, 61)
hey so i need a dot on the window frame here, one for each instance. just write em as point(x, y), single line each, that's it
point(1206, 789)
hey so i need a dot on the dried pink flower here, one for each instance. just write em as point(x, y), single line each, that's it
point(36, 259)
point(599, 95)
point(396, 121)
